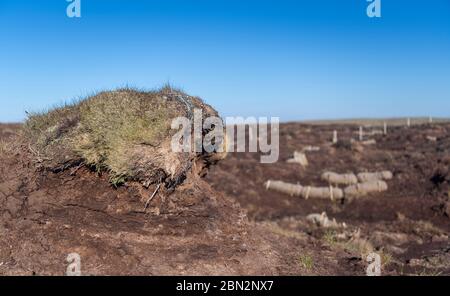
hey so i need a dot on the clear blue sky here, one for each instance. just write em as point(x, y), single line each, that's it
point(293, 59)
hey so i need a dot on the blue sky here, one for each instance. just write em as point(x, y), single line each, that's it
point(294, 59)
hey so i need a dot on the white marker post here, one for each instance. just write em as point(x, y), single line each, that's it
point(360, 133)
point(385, 128)
point(408, 122)
point(335, 137)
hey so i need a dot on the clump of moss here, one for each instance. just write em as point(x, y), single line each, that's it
point(125, 132)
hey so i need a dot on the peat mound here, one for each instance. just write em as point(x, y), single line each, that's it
point(126, 133)
point(60, 194)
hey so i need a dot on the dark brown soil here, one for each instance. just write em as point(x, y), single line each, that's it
point(409, 222)
point(228, 223)
point(45, 216)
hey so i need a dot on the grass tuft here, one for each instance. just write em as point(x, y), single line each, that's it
point(306, 261)
point(4, 147)
point(123, 132)
point(330, 237)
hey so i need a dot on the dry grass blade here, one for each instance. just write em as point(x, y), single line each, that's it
point(152, 196)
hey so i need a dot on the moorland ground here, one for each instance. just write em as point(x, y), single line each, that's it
point(227, 222)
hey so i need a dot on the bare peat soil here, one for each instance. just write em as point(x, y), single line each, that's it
point(408, 224)
point(228, 223)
